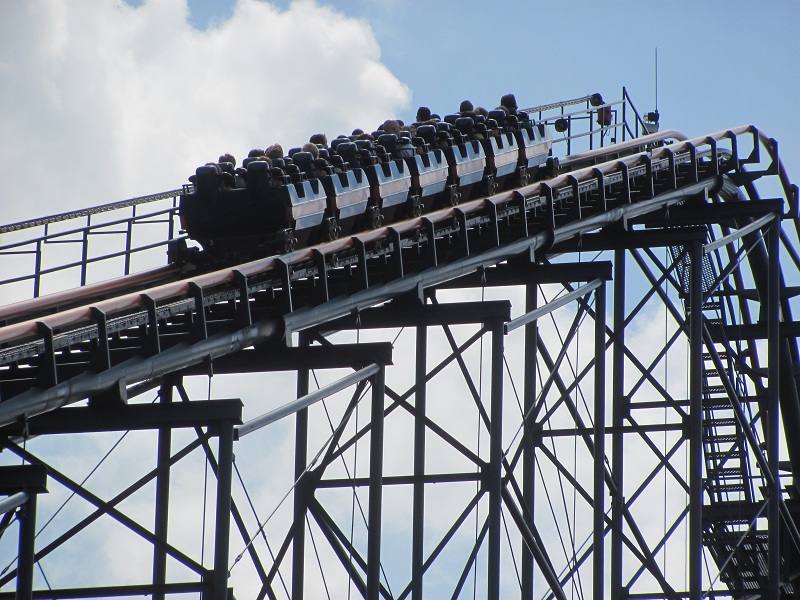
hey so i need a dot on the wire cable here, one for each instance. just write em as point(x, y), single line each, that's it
point(255, 514)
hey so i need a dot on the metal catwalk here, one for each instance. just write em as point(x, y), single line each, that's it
point(586, 387)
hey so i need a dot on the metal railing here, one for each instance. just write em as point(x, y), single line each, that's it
point(582, 129)
point(80, 247)
point(83, 246)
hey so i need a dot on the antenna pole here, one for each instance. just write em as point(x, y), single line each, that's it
point(656, 78)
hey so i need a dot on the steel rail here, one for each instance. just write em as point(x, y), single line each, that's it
point(137, 369)
point(640, 142)
point(304, 402)
point(52, 238)
point(551, 306)
point(582, 113)
point(53, 301)
point(554, 105)
point(738, 234)
point(13, 502)
point(34, 401)
point(174, 289)
point(83, 212)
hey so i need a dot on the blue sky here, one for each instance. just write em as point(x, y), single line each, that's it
point(720, 63)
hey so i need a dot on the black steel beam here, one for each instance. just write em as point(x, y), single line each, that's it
point(717, 212)
point(354, 482)
point(302, 488)
point(161, 511)
point(375, 509)
point(695, 558)
point(129, 417)
point(26, 548)
point(219, 582)
point(619, 410)
point(529, 449)
point(619, 239)
point(772, 312)
point(418, 507)
point(525, 272)
point(110, 591)
point(405, 314)
point(15, 478)
point(750, 331)
point(599, 455)
point(495, 467)
point(282, 358)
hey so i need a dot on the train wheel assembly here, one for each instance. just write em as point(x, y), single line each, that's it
point(455, 196)
point(491, 185)
point(286, 241)
point(333, 230)
point(375, 217)
point(416, 207)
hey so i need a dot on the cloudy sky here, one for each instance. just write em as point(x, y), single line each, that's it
point(105, 100)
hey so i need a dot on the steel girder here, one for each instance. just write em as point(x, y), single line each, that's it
point(673, 438)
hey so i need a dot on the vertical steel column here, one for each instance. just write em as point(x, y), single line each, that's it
point(223, 516)
point(529, 450)
point(495, 475)
point(162, 499)
point(418, 516)
point(37, 268)
point(696, 422)
point(599, 440)
point(301, 489)
point(27, 538)
point(618, 417)
point(129, 241)
point(375, 487)
point(85, 250)
point(773, 401)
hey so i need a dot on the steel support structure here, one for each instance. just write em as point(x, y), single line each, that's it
point(566, 445)
point(594, 408)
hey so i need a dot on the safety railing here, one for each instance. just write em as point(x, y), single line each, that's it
point(76, 248)
point(589, 122)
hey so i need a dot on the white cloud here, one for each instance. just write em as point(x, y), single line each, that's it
point(103, 101)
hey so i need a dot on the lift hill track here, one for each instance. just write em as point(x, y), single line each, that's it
point(105, 342)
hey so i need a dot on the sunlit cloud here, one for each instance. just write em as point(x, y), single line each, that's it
point(104, 101)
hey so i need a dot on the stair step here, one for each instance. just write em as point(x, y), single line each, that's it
point(714, 389)
point(719, 402)
point(722, 439)
point(726, 455)
point(726, 473)
point(721, 488)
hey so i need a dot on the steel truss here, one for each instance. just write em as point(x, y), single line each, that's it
point(575, 391)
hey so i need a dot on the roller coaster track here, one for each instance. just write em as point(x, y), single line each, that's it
point(109, 342)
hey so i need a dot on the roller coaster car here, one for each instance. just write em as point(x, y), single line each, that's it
point(271, 213)
point(243, 214)
point(535, 144)
point(466, 158)
point(428, 167)
point(502, 156)
point(347, 192)
point(389, 182)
